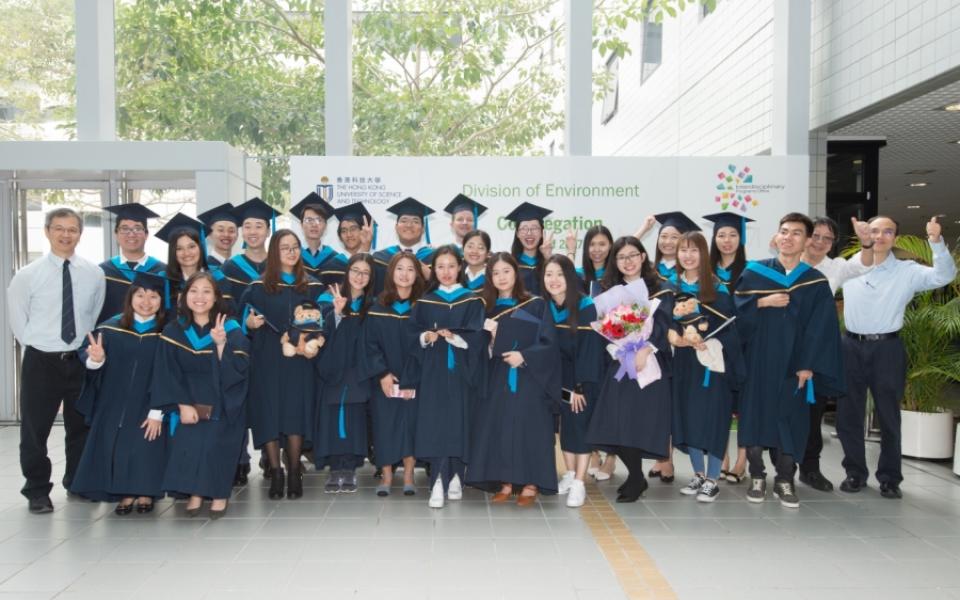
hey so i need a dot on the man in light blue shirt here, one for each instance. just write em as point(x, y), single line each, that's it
point(873, 353)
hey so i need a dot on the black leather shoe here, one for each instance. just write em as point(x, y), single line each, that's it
point(276, 484)
point(295, 484)
point(890, 490)
point(817, 481)
point(41, 505)
point(632, 493)
point(241, 476)
point(123, 509)
point(851, 485)
point(145, 508)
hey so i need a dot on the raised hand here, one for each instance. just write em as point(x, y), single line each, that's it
point(254, 320)
point(366, 234)
point(648, 222)
point(571, 240)
point(862, 229)
point(339, 301)
point(95, 349)
point(934, 230)
point(218, 334)
point(546, 246)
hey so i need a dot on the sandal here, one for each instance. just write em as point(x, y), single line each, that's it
point(732, 477)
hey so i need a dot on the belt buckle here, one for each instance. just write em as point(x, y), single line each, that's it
point(66, 355)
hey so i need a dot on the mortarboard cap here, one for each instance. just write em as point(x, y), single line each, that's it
point(730, 219)
point(224, 212)
point(179, 221)
point(255, 208)
point(315, 202)
point(528, 212)
point(150, 281)
point(414, 208)
point(461, 202)
point(132, 212)
point(678, 220)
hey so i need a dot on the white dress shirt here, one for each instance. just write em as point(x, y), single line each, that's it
point(874, 303)
point(838, 270)
point(35, 301)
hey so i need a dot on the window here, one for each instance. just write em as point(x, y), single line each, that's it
point(651, 49)
point(612, 95)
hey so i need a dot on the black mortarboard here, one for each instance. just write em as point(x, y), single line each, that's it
point(676, 219)
point(730, 219)
point(528, 212)
point(132, 212)
point(315, 202)
point(461, 202)
point(150, 281)
point(255, 208)
point(414, 208)
point(224, 212)
point(178, 222)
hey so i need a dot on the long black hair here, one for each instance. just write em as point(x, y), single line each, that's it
point(367, 289)
point(589, 273)
point(612, 275)
point(516, 249)
point(447, 250)
point(739, 259)
point(173, 265)
point(571, 298)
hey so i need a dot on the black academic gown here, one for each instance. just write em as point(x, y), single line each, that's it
point(529, 273)
point(513, 439)
point(282, 393)
point(238, 273)
point(581, 366)
point(625, 414)
point(591, 288)
point(341, 424)
point(702, 401)
point(381, 260)
point(449, 376)
point(778, 342)
point(390, 345)
point(119, 277)
point(203, 456)
point(475, 284)
point(117, 461)
point(326, 266)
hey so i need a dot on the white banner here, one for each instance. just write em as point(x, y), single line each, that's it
point(582, 191)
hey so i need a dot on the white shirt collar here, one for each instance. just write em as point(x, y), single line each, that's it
point(140, 319)
point(140, 262)
point(471, 276)
point(59, 260)
point(668, 263)
point(219, 256)
point(413, 249)
point(449, 288)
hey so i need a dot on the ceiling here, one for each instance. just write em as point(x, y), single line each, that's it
point(919, 136)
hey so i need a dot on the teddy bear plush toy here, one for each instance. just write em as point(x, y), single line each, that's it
point(304, 337)
point(686, 311)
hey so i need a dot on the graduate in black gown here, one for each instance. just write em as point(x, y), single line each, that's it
point(513, 440)
point(582, 362)
point(390, 361)
point(322, 262)
point(125, 452)
point(281, 314)
point(464, 217)
point(257, 220)
point(449, 321)
point(635, 420)
point(200, 379)
point(340, 440)
point(531, 245)
point(220, 226)
point(186, 254)
point(788, 320)
point(702, 396)
point(597, 242)
point(413, 235)
point(130, 232)
point(476, 250)
point(356, 229)
point(728, 256)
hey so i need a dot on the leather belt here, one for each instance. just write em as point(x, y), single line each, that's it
point(69, 355)
point(872, 337)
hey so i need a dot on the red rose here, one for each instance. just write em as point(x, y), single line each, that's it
point(617, 331)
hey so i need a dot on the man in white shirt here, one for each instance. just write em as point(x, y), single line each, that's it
point(873, 353)
point(53, 303)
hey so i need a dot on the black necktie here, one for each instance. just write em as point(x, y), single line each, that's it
point(132, 264)
point(68, 326)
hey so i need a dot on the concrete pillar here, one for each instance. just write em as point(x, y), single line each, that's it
point(791, 77)
point(338, 92)
point(96, 80)
point(578, 135)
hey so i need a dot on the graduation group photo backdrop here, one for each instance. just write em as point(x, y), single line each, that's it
point(582, 191)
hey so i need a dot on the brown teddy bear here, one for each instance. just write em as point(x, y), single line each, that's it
point(304, 337)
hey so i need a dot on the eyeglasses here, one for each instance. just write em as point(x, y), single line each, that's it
point(884, 232)
point(359, 273)
point(529, 230)
point(349, 229)
point(409, 221)
point(827, 239)
point(131, 230)
point(68, 230)
point(312, 220)
point(289, 249)
point(629, 257)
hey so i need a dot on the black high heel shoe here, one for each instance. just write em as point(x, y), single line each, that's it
point(295, 484)
point(123, 509)
point(276, 484)
point(145, 508)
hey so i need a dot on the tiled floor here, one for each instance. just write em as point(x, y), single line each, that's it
point(358, 546)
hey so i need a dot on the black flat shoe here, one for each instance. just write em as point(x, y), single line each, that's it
point(192, 512)
point(143, 509)
point(39, 506)
point(666, 479)
point(276, 484)
point(653, 474)
point(817, 481)
point(123, 509)
point(890, 490)
point(218, 514)
point(851, 485)
point(632, 493)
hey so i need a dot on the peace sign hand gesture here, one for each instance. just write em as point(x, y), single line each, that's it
point(95, 349)
point(339, 301)
point(219, 334)
point(546, 246)
point(366, 234)
point(571, 240)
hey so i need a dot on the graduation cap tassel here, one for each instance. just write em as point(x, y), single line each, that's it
point(426, 228)
point(273, 223)
point(476, 217)
point(743, 232)
point(166, 294)
point(512, 380)
point(341, 417)
point(706, 377)
point(243, 246)
point(451, 361)
point(373, 246)
point(203, 241)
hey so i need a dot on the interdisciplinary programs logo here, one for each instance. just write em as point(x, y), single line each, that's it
point(737, 190)
point(347, 189)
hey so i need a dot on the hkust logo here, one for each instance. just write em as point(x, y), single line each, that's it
point(325, 189)
point(732, 190)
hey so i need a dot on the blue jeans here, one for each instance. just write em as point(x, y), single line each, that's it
point(713, 463)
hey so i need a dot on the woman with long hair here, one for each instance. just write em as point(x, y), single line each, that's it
point(389, 361)
point(581, 354)
point(125, 452)
point(634, 420)
point(185, 255)
point(200, 377)
point(531, 246)
point(341, 436)
point(702, 397)
point(449, 322)
point(513, 440)
point(476, 250)
point(280, 313)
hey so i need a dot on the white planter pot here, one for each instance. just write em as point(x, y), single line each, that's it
point(927, 435)
point(956, 453)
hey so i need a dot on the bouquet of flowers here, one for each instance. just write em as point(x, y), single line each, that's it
point(628, 327)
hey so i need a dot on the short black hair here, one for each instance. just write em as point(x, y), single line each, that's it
point(896, 225)
point(829, 223)
point(796, 217)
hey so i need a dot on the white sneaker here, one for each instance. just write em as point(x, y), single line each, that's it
point(693, 488)
point(577, 495)
point(563, 486)
point(455, 490)
point(436, 495)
